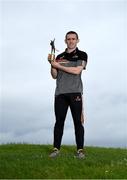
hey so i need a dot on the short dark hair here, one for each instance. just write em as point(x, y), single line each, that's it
point(71, 32)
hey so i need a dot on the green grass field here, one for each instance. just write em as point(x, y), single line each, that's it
point(24, 161)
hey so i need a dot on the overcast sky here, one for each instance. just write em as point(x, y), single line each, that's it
point(27, 93)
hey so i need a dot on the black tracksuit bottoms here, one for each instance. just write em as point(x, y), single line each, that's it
point(62, 102)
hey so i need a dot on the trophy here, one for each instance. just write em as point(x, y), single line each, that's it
point(51, 56)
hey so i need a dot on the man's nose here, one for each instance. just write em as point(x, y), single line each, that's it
point(71, 40)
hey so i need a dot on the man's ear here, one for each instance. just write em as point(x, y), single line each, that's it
point(65, 41)
point(78, 40)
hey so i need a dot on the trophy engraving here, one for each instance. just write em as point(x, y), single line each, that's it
point(51, 56)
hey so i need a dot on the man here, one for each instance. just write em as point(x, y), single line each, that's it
point(67, 69)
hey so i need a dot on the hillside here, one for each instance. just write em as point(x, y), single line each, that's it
point(24, 161)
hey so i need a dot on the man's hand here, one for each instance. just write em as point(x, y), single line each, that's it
point(55, 64)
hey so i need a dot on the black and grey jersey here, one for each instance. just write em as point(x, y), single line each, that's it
point(67, 82)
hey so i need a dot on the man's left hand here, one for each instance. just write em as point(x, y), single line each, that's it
point(55, 64)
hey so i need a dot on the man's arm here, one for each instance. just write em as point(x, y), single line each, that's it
point(71, 70)
point(53, 72)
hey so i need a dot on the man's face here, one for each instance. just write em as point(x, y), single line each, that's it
point(71, 41)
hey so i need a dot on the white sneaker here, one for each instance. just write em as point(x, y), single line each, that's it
point(54, 153)
point(80, 154)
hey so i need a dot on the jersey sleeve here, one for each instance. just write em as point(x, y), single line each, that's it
point(83, 58)
point(57, 57)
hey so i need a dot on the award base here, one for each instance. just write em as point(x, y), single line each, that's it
point(51, 57)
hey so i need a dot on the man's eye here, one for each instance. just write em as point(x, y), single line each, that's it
point(71, 39)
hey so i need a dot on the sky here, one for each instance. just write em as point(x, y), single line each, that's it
point(27, 88)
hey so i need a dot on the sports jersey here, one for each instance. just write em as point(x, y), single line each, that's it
point(67, 82)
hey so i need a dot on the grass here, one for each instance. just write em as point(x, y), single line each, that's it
point(25, 161)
